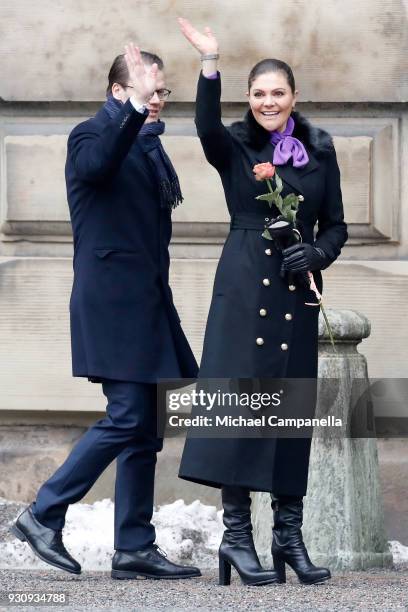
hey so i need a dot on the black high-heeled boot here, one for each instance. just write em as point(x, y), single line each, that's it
point(287, 543)
point(237, 547)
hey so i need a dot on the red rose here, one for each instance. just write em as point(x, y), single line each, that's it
point(263, 171)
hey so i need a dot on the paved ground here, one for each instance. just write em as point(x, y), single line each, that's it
point(373, 590)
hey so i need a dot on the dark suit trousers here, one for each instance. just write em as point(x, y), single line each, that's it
point(128, 433)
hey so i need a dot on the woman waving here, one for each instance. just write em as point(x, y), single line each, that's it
point(260, 324)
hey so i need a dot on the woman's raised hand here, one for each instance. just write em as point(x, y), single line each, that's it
point(204, 43)
point(142, 79)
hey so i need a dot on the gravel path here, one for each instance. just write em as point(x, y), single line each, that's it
point(369, 591)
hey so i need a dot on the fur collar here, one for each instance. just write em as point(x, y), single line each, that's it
point(249, 131)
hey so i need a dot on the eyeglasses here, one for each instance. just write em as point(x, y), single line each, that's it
point(162, 94)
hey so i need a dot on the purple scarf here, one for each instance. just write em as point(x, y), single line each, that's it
point(286, 146)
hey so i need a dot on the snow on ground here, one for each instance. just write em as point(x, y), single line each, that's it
point(189, 533)
point(399, 552)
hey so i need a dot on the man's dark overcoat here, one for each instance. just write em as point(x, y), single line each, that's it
point(124, 325)
point(248, 283)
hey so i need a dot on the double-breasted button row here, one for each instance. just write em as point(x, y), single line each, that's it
point(263, 312)
point(261, 341)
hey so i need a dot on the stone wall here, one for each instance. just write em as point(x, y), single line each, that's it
point(341, 51)
point(350, 62)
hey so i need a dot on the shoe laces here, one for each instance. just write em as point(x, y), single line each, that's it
point(160, 550)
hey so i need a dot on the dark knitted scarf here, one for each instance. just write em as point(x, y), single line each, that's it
point(150, 143)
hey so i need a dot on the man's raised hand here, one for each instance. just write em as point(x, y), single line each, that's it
point(142, 79)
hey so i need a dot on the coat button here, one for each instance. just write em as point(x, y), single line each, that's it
point(266, 219)
point(292, 287)
point(262, 312)
point(284, 346)
point(288, 316)
point(268, 252)
point(266, 282)
point(260, 341)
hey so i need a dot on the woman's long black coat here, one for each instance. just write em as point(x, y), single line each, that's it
point(290, 328)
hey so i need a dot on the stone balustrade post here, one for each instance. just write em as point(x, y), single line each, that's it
point(343, 525)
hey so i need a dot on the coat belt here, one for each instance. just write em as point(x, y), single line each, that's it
point(248, 220)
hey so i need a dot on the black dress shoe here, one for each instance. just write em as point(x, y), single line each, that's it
point(149, 563)
point(45, 542)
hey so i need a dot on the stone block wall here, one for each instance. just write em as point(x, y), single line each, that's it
point(350, 63)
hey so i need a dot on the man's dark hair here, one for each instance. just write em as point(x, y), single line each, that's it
point(118, 72)
point(272, 65)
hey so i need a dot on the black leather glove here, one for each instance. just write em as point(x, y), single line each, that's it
point(303, 257)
